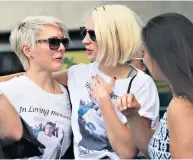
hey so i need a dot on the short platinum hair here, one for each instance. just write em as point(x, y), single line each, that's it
point(27, 31)
point(118, 34)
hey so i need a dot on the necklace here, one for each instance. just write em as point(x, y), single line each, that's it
point(177, 97)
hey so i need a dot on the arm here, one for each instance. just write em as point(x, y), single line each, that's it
point(61, 77)
point(141, 111)
point(141, 131)
point(118, 133)
point(8, 77)
point(139, 126)
point(10, 123)
point(179, 122)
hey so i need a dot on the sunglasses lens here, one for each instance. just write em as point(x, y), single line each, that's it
point(92, 35)
point(83, 32)
point(65, 42)
point(54, 43)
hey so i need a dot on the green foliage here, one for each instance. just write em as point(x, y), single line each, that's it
point(69, 61)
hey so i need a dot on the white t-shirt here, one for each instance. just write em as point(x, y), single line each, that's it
point(90, 137)
point(39, 109)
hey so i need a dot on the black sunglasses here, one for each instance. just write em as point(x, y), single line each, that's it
point(91, 33)
point(54, 43)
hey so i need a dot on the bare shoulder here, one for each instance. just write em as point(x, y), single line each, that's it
point(180, 108)
point(180, 116)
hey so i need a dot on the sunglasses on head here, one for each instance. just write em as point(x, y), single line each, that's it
point(91, 33)
point(54, 43)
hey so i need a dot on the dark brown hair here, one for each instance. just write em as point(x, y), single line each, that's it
point(169, 40)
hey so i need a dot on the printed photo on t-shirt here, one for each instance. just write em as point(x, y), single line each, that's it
point(91, 125)
point(51, 135)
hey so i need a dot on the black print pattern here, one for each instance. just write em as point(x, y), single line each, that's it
point(159, 144)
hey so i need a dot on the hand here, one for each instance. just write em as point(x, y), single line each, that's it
point(128, 105)
point(100, 89)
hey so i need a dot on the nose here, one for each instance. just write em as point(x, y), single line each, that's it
point(62, 47)
point(86, 39)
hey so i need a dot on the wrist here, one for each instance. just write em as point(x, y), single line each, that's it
point(103, 99)
point(133, 117)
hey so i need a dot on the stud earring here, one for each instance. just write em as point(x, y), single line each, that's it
point(30, 56)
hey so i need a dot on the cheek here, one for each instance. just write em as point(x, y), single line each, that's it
point(158, 74)
point(148, 63)
point(95, 47)
point(44, 54)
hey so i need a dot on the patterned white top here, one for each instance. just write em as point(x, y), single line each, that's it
point(159, 144)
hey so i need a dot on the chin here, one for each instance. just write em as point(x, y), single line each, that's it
point(56, 68)
point(91, 58)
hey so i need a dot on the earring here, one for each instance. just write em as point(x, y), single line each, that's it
point(30, 56)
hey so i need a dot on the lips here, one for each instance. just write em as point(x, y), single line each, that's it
point(59, 59)
point(89, 51)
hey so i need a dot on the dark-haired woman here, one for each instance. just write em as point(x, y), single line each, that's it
point(168, 54)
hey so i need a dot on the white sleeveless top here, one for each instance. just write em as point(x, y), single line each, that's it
point(159, 144)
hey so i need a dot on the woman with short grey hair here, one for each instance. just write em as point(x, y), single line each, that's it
point(40, 43)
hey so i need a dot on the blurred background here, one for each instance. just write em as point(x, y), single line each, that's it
point(74, 14)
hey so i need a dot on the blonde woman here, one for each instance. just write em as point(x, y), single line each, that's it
point(111, 38)
point(112, 35)
point(40, 43)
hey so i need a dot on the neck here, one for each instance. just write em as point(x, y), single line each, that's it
point(42, 78)
point(119, 71)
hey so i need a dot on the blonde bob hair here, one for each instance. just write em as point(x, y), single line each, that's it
point(27, 31)
point(118, 34)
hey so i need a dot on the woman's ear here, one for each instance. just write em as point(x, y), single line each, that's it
point(27, 50)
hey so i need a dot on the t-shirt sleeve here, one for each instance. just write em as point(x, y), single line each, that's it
point(147, 96)
point(74, 70)
point(71, 72)
point(10, 90)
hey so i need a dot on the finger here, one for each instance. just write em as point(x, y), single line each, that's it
point(95, 81)
point(124, 102)
point(136, 103)
point(129, 100)
point(119, 107)
point(99, 79)
point(132, 102)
